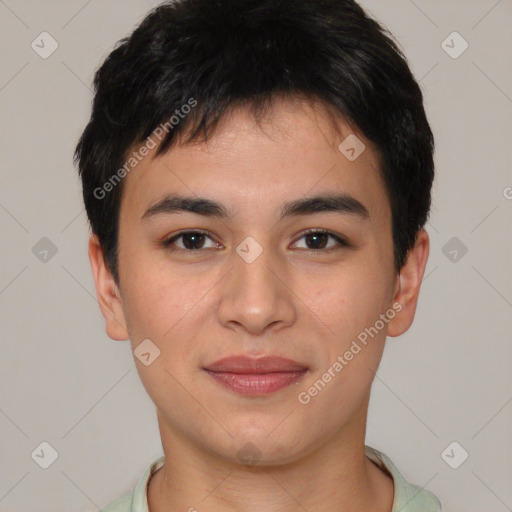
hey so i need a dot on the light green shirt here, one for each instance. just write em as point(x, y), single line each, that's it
point(408, 497)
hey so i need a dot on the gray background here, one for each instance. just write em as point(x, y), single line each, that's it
point(63, 381)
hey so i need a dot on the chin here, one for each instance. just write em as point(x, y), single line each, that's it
point(261, 443)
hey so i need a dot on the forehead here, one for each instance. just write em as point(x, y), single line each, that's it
point(295, 151)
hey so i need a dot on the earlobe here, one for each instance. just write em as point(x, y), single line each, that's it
point(408, 286)
point(109, 298)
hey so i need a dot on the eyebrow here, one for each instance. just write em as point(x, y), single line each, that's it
point(338, 203)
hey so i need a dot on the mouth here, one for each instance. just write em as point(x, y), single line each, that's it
point(256, 376)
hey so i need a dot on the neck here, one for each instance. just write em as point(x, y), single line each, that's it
point(335, 475)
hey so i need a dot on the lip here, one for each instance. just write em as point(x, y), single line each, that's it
point(256, 376)
point(253, 365)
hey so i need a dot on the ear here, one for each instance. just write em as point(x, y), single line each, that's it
point(408, 284)
point(109, 298)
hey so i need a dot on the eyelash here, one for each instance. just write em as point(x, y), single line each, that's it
point(342, 243)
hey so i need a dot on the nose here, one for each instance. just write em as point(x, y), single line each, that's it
point(256, 296)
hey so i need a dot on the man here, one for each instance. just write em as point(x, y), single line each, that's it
point(257, 175)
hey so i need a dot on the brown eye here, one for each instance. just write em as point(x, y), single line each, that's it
point(190, 241)
point(318, 240)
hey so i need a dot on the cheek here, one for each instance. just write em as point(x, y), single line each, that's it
point(172, 310)
point(162, 310)
point(352, 301)
point(152, 302)
point(350, 305)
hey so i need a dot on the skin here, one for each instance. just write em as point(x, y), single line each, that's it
point(294, 300)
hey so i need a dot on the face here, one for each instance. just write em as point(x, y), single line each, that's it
point(274, 275)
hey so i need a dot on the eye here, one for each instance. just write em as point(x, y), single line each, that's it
point(191, 241)
point(318, 240)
